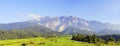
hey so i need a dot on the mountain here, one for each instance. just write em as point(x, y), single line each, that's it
point(64, 24)
point(109, 32)
point(73, 30)
point(61, 23)
point(26, 28)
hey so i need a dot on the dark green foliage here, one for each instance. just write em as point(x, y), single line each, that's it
point(25, 30)
point(26, 33)
point(95, 39)
point(85, 38)
point(111, 39)
point(29, 31)
point(106, 37)
point(16, 34)
point(23, 44)
point(78, 37)
point(99, 40)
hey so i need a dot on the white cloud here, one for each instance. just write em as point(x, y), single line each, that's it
point(34, 17)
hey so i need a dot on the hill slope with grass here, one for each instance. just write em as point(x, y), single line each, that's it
point(40, 41)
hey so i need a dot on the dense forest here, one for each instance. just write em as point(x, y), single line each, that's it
point(96, 39)
point(18, 34)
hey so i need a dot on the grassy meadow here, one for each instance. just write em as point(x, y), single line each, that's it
point(59, 41)
point(40, 41)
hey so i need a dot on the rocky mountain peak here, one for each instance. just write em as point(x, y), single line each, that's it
point(65, 22)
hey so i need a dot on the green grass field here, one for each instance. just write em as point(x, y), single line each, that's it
point(40, 41)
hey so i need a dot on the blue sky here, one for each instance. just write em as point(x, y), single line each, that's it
point(21, 10)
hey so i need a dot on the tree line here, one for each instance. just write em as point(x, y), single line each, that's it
point(96, 39)
point(19, 34)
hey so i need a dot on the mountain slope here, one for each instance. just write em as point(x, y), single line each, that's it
point(109, 31)
point(61, 24)
point(73, 30)
point(25, 29)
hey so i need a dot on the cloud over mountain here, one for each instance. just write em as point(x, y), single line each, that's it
point(34, 17)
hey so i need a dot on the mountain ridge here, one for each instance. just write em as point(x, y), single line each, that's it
point(61, 23)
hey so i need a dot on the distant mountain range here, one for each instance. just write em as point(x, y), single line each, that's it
point(66, 25)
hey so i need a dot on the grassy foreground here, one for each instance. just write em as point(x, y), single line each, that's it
point(40, 41)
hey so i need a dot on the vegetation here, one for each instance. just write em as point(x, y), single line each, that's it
point(18, 34)
point(106, 37)
point(99, 40)
point(40, 41)
point(55, 41)
point(85, 38)
point(17, 39)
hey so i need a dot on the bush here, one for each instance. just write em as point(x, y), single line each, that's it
point(23, 44)
point(90, 39)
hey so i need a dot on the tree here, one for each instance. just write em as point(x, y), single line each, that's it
point(111, 39)
point(94, 38)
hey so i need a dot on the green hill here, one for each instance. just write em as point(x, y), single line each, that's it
point(40, 41)
point(56, 41)
point(33, 31)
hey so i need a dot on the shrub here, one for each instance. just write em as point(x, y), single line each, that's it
point(24, 44)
